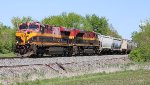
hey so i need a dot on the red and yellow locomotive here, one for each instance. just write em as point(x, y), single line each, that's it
point(34, 38)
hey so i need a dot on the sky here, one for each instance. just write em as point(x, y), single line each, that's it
point(124, 15)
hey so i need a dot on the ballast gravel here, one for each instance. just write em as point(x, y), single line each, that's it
point(46, 60)
point(45, 68)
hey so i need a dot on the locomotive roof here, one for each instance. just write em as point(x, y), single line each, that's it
point(33, 23)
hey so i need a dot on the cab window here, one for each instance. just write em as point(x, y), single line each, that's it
point(23, 26)
point(32, 26)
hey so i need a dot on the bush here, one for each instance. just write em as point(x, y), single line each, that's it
point(142, 53)
point(7, 39)
point(137, 55)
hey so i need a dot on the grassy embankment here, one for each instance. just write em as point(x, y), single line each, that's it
point(139, 77)
point(7, 55)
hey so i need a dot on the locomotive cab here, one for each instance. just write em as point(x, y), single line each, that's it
point(26, 31)
point(25, 35)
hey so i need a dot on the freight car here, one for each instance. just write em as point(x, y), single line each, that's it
point(130, 45)
point(36, 39)
point(106, 44)
point(117, 45)
point(124, 46)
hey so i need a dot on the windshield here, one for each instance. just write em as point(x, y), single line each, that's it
point(33, 26)
point(23, 27)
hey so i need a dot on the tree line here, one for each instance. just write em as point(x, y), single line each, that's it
point(70, 20)
point(142, 38)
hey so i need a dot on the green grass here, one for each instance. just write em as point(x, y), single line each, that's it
point(140, 77)
point(7, 55)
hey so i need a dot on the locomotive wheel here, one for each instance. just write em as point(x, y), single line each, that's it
point(39, 55)
point(69, 54)
point(75, 51)
point(69, 51)
point(33, 56)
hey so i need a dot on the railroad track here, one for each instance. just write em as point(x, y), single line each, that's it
point(8, 57)
point(19, 57)
point(13, 61)
point(60, 65)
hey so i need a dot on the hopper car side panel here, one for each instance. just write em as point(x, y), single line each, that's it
point(117, 45)
point(106, 43)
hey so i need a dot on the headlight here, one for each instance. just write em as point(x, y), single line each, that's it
point(17, 42)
